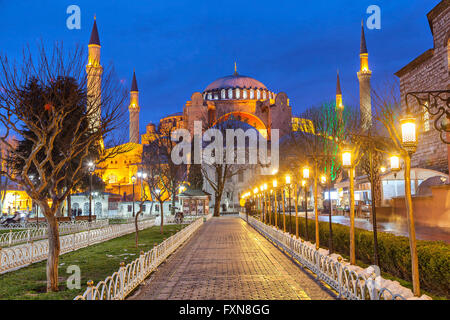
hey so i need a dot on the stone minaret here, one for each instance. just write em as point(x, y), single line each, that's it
point(134, 111)
point(94, 76)
point(339, 104)
point(364, 75)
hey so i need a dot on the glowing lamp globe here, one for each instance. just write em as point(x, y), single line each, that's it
point(395, 163)
point(274, 183)
point(288, 179)
point(323, 179)
point(409, 133)
point(347, 159)
point(305, 173)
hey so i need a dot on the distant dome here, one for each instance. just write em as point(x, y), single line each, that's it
point(235, 81)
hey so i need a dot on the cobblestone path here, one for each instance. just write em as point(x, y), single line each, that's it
point(228, 259)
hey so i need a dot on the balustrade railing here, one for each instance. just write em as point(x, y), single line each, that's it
point(122, 282)
point(349, 281)
point(11, 238)
point(22, 255)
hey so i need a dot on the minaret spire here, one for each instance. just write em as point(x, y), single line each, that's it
point(134, 109)
point(339, 104)
point(235, 69)
point(363, 47)
point(364, 75)
point(95, 39)
point(94, 72)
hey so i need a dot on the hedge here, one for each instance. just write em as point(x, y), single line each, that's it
point(393, 251)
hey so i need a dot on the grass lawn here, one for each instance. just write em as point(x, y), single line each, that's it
point(96, 263)
point(7, 230)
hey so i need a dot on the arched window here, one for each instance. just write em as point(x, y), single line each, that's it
point(223, 94)
point(209, 96)
point(238, 93)
point(98, 209)
point(230, 93)
point(258, 94)
point(244, 94)
point(252, 94)
point(216, 96)
point(264, 95)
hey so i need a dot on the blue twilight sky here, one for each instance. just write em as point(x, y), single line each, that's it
point(179, 47)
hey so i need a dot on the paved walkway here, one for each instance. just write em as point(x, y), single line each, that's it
point(228, 259)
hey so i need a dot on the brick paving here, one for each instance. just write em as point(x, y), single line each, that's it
point(228, 259)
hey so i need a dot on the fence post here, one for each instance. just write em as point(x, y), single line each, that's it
point(90, 293)
point(122, 280)
point(28, 235)
point(10, 237)
point(142, 269)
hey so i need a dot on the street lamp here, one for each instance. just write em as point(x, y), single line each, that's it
point(133, 181)
point(409, 134)
point(409, 144)
point(347, 163)
point(395, 164)
point(274, 185)
point(288, 183)
point(91, 168)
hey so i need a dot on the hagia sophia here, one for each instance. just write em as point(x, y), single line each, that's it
point(243, 97)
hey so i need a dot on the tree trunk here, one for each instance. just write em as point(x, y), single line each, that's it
point(217, 204)
point(161, 228)
point(69, 206)
point(136, 237)
point(53, 252)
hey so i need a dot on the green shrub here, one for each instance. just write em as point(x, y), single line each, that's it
point(393, 251)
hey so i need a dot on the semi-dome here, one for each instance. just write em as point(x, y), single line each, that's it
point(235, 81)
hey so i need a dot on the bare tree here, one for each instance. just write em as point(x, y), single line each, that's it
point(317, 142)
point(41, 96)
point(219, 167)
point(164, 176)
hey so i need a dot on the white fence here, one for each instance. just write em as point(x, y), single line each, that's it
point(15, 237)
point(351, 282)
point(22, 255)
point(122, 282)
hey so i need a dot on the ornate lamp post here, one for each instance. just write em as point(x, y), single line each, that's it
point(274, 185)
point(347, 164)
point(409, 144)
point(288, 183)
point(133, 181)
point(91, 168)
point(305, 186)
point(255, 199)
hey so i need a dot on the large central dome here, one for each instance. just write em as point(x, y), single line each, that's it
point(235, 81)
point(237, 87)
